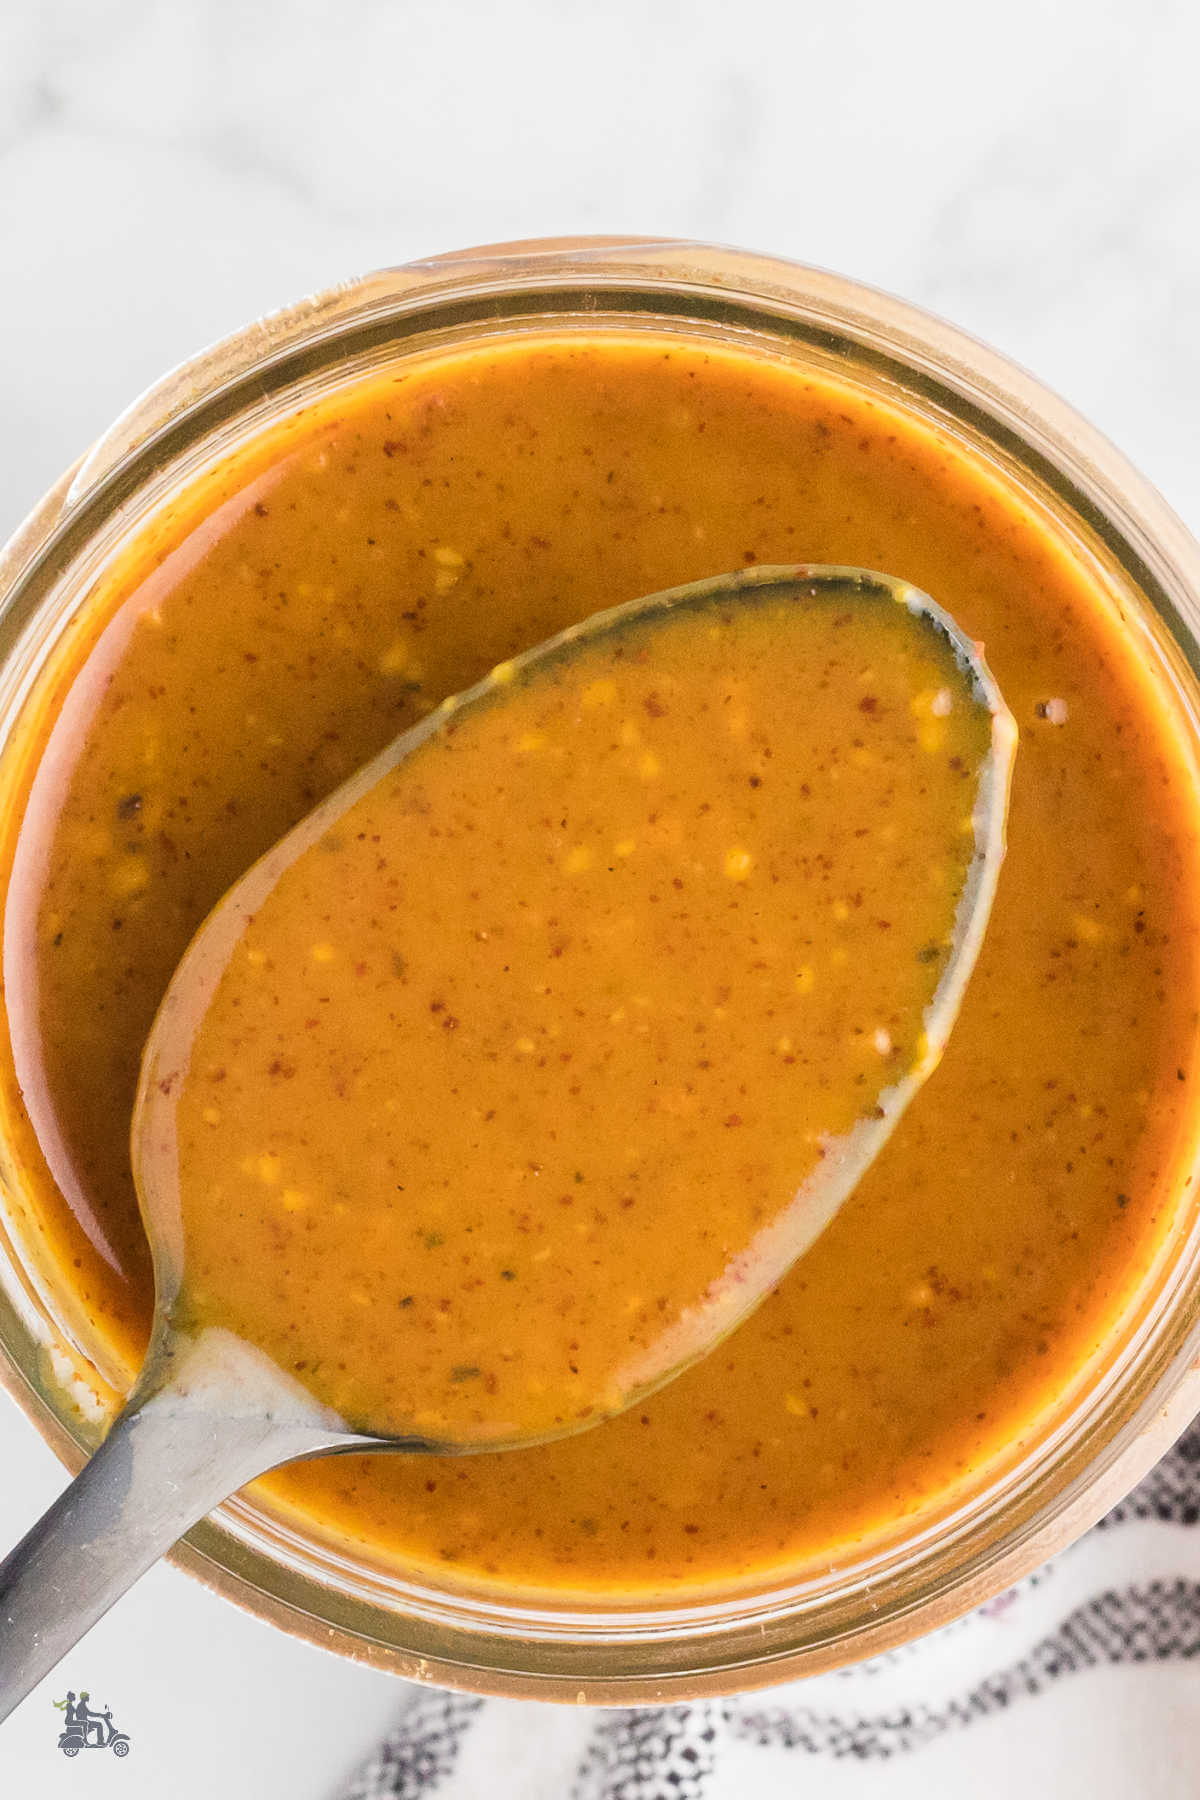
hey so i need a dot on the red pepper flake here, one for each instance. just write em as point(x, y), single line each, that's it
point(734, 1119)
point(869, 704)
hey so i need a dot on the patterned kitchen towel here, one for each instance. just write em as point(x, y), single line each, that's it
point(1126, 1594)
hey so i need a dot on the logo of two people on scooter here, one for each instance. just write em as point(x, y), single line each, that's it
point(88, 1730)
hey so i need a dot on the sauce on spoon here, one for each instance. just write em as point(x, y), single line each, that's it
point(516, 1075)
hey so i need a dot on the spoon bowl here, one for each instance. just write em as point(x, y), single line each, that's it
point(222, 1397)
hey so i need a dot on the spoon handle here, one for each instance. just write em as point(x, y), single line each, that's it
point(168, 1460)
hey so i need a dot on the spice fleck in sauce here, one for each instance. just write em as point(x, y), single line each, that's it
point(516, 1075)
point(327, 588)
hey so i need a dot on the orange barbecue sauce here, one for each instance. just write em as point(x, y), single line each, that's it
point(517, 1074)
point(328, 587)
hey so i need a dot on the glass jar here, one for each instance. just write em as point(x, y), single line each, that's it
point(1123, 1409)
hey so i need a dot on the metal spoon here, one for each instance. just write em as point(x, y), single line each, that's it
point(210, 1411)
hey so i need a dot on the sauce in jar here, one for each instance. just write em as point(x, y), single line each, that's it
point(327, 587)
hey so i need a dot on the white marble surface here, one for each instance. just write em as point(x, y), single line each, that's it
point(169, 170)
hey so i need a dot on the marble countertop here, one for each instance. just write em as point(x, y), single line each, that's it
point(170, 170)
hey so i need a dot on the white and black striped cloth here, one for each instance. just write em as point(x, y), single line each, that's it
point(1128, 1594)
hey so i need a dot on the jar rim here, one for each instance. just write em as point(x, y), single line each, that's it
point(1114, 1430)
